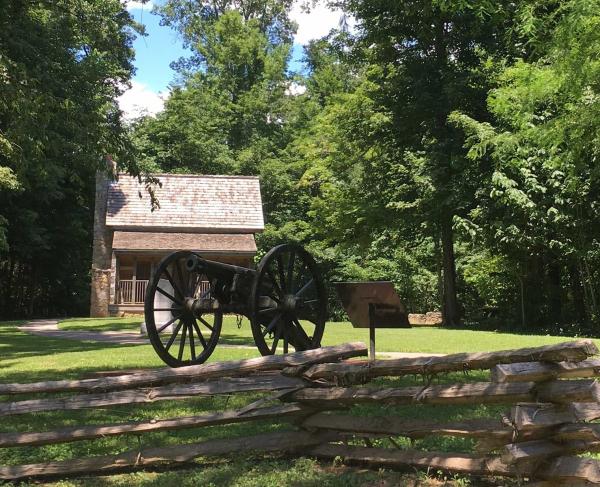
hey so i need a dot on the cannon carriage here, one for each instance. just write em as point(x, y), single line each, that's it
point(284, 299)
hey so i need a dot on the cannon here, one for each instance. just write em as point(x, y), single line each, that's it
point(284, 299)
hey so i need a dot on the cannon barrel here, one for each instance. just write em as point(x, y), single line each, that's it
point(195, 263)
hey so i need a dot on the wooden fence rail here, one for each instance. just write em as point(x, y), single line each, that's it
point(286, 441)
point(234, 385)
point(570, 351)
point(551, 389)
point(193, 373)
point(280, 413)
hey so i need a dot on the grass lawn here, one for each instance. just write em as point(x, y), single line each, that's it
point(101, 324)
point(424, 339)
point(28, 358)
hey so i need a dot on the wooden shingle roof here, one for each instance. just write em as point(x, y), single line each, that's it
point(187, 203)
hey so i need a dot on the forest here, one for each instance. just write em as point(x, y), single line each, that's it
point(450, 146)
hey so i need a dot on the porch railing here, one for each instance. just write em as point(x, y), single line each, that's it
point(203, 289)
point(134, 292)
point(130, 291)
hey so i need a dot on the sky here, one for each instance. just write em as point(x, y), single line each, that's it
point(155, 51)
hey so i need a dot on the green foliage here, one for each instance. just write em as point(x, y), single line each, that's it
point(228, 114)
point(421, 61)
point(194, 20)
point(8, 180)
point(537, 208)
point(491, 292)
point(449, 146)
point(62, 64)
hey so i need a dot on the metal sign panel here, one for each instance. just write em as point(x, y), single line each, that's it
point(372, 301)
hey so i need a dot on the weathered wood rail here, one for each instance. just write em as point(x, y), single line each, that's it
point(550, 390)
point(193, 373)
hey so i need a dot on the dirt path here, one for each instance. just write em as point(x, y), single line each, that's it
point(49, 328)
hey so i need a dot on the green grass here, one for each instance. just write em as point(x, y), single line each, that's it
point(28, 358)
point(261, 472)
point(101, 324)
point(418, 339)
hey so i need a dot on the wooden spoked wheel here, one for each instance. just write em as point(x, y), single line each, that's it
point(182, 321)
point(289, 302)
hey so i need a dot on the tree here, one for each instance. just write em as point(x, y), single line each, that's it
point(430, 60)
point(539, 207)
point(8, 182)
point(62, 64)
point(228, 113)
point(194, 19)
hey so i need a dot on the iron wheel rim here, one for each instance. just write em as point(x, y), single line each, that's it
point(182, 336)
point(289, 301)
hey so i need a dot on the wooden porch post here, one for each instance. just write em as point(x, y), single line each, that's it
point(114, 280)
point(133, 279)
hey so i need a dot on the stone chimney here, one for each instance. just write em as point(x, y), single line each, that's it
point(102, 249)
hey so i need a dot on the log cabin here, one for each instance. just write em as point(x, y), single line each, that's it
point(216, 216)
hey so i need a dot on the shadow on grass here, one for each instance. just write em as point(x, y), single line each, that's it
point(254, 471)
point(229, 339)
point(95, 324)
point(16, 346)
point(109, 326)
point(282, 471)
point(566, 331)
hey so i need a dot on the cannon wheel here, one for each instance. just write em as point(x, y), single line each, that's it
point(179, 335)
point(288, 301)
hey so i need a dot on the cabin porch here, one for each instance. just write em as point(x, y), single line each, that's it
point(132, 271)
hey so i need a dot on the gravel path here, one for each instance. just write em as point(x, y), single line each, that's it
point(49, 328)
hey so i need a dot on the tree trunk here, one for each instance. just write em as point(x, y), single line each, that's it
point(439, 268)
point(591, 288)
point(6, 288)
point(578, 294)
point(534, 290)
point(554, 291)
point(522, 295)
point(450, 308)
point(19, 291)
point(32, 293)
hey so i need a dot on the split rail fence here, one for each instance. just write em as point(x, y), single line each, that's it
point(551, 389)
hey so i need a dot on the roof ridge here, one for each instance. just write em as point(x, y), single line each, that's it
point(208, 176)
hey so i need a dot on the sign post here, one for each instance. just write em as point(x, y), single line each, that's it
point(372, 304)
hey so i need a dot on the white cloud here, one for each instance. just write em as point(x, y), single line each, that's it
point(131, 5)
point(295, 89)
point(315, 24)
point(140, 100)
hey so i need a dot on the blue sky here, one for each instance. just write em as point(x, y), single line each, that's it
point(154, 52)
point(161, 46)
